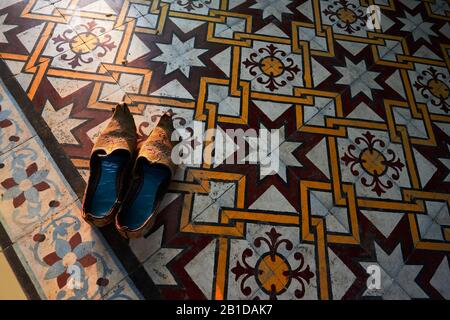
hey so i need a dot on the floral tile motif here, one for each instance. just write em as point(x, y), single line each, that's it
point(347, 16)
point(71, 260)
point(362, 112)
point(276, 265)
point(32, 191)
point(271, 68)
point(431, 86)
point(380, 166)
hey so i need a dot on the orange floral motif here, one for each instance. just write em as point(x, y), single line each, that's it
point(83, 43)
point(272, 271)
point(434, 82)
point(373, 162)
point(350, 18)
point(272, 65)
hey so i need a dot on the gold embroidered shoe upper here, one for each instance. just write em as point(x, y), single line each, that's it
point(110, 163)
point(151, 177)
point(119, 134)
point(157, 148)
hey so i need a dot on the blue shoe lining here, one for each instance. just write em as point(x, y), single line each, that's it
point(145, 201)
point(106, 192)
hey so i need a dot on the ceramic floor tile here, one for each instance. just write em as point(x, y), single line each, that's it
point(69, 258)
point(32, 190)
point(362, 176)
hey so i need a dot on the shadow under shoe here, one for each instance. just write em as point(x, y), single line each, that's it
point(110, 164)
point(151, 175)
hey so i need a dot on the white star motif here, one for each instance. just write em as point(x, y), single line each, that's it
point(358, 78)
point(272, 7)
point(180, 55)
point(287, 158)
point(285, 150)
point(4, 28)
point(417, 27)
point(60, 123)
point(397, 278)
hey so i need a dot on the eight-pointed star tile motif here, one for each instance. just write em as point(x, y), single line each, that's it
point(180, 55)
point(272, 7)
point(358, 78)
point(281, 156)
point(399, 277)
point(417, 27)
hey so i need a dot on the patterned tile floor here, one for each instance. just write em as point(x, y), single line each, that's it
point(365, 122)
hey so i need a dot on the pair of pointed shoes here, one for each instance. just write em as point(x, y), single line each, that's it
point(127, 182)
